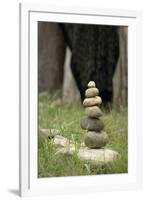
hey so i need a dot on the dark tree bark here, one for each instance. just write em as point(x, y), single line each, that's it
point(95, 51)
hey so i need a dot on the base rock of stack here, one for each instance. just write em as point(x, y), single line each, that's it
point(91, 124)
point(93, 156)
point(95, 140)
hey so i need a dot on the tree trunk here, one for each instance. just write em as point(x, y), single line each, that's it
point(51, 52)
point(71, 93)
point(120, 80)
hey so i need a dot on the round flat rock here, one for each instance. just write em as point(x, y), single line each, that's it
point(93, 111)
point(94, 101)
point(91, 92)
point(92, 124)
point(95, 140)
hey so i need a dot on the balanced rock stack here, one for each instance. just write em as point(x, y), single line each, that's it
point(95, 137)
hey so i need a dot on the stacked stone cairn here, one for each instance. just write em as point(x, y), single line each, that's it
point(95, 136)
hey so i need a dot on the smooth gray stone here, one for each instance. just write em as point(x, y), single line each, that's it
point(93, 101)
point(93, 156)
point(93, 111)
point(91, 84)
point(91, 92)
point(95, 140)
point(92, 124)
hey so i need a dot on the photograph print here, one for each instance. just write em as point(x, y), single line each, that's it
point(82, 99)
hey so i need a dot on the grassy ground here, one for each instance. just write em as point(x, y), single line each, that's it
point(67, 119)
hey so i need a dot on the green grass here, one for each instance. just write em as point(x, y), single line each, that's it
point(67, 119)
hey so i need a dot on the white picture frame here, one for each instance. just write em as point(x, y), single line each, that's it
point(30, 184)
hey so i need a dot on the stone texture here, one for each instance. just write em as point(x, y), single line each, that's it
point(97, 156)
point(95, 140)
point(91, 92)
point(91, 84)
point(92, 101)
point(92, 156)
point(93, 111)
point(48, 133)
point(60, 141)
point(91, 124)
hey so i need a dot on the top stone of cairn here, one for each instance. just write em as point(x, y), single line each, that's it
point(91, 84)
